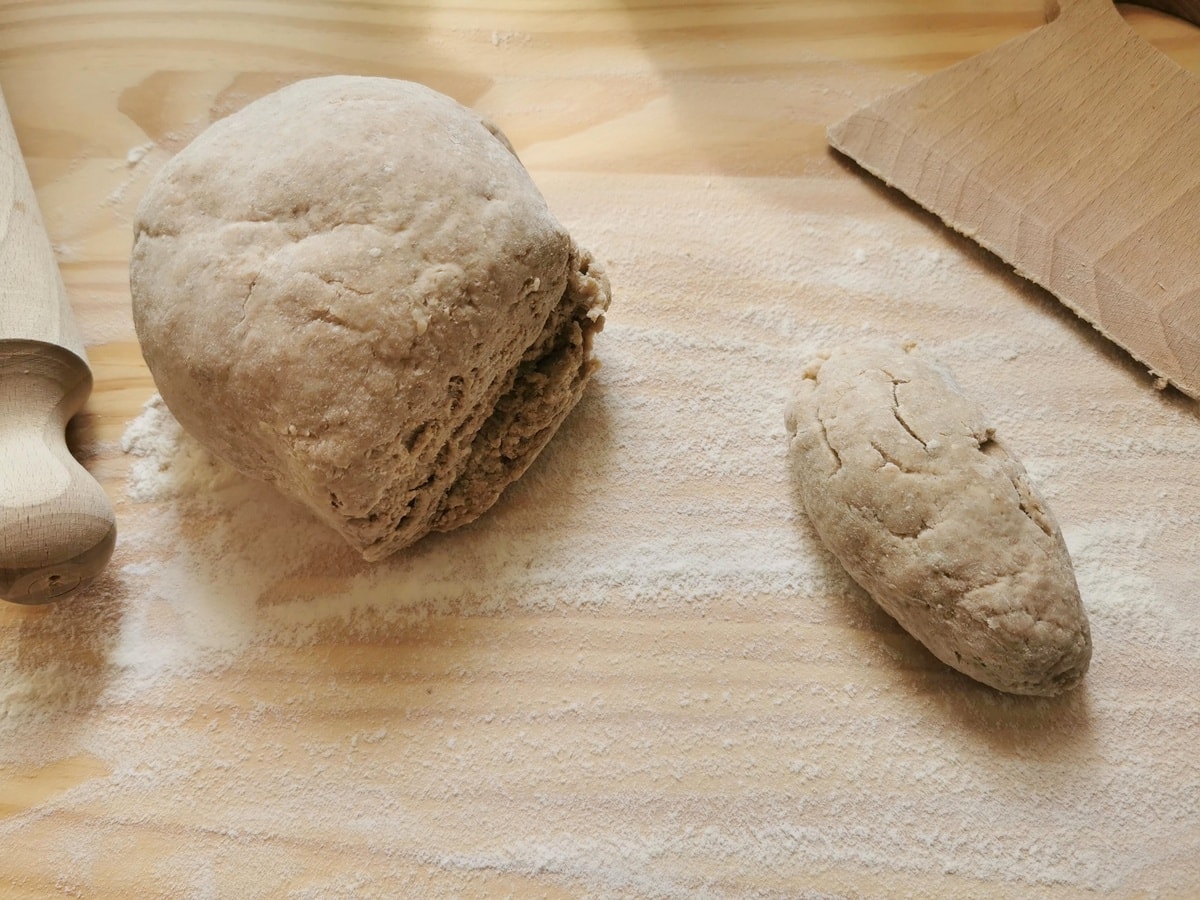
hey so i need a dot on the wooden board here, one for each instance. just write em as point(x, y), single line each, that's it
point(1069, 152)
point(639, 675)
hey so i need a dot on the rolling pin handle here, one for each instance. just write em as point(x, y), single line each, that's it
point(57, 528)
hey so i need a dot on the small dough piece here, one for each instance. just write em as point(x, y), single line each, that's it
point(353, 290)
point(907, 485)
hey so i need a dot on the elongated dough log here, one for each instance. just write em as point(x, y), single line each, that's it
point(907, 485)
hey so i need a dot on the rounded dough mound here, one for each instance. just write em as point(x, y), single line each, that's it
point(352, 289)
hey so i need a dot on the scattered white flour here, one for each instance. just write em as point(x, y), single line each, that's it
point(138, 153)
point(638, 675)
point(168, 461)
point(64, 252)
point(139, 165)
point(504, 39)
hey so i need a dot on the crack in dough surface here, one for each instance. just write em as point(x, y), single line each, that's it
point(908, 486)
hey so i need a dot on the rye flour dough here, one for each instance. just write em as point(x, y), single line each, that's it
point(907, 485)
point(352, 289)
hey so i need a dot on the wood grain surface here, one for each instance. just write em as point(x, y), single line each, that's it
point(737, 722)
point(1030, 149)
point(56, 525)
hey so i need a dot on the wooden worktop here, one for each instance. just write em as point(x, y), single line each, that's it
point(708, 707)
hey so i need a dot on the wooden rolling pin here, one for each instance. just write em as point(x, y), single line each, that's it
point(57, 528)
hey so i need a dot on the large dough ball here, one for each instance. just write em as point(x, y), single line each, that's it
point(353, 290)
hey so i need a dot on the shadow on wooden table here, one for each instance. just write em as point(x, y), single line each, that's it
point(246, 562)
point(1005, 724)
point(171, 106)
point(1042, 728)
point(1034, 295)
point(747, 96)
